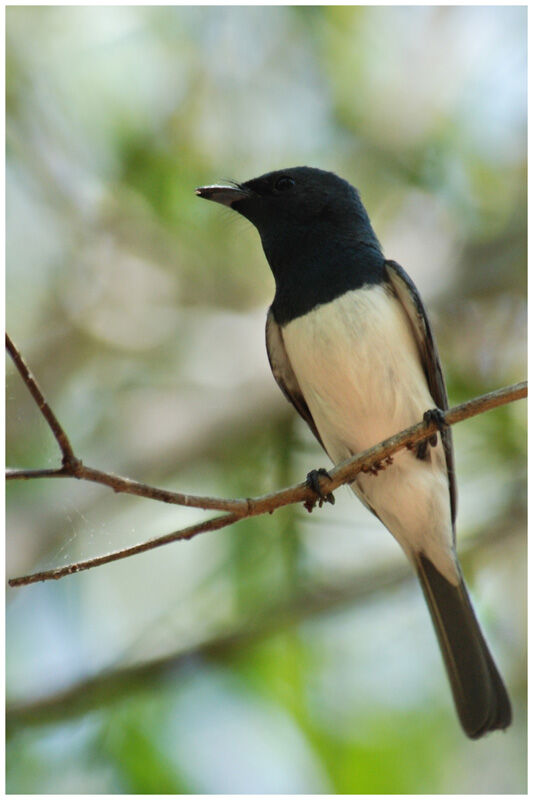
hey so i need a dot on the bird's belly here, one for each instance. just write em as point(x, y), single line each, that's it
point(358, 366)
point(359, 369)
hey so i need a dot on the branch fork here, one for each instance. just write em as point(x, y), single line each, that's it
point(373, 460)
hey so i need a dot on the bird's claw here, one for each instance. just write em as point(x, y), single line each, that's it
point(432, 416)
point(437, 416)
point(313, 482)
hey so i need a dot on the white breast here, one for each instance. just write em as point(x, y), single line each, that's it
point(359, 369)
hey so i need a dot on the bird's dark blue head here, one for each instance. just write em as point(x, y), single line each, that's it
point(315, 232)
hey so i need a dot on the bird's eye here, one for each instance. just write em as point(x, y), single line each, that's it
point(284, 183)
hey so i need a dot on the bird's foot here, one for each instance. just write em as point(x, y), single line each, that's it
point(437, 416)
point(313, 482)
point(377, 466)
point(433, 415)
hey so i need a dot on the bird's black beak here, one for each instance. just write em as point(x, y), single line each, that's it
point(226, 195)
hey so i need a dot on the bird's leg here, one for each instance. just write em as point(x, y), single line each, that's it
point(435, 415)
point(313, 481)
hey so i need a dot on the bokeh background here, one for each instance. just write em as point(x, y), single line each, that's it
point(292, 653)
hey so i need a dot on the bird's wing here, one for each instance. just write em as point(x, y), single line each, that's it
point(408, 296)
point(284, 374)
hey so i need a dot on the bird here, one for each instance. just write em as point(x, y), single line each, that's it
point(350, 345)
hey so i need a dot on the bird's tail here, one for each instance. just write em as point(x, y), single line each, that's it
point(479, 693)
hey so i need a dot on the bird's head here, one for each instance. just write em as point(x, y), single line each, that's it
point(294, 199)
point(314, 230)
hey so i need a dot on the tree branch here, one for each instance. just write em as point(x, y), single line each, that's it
point(313, 600)
point(60, 435)
point(372, 460)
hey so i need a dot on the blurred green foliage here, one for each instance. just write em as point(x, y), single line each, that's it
point(141, 312)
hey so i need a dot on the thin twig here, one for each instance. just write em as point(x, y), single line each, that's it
point(30, 474)
point(122, 485)
point(185, 533)
point(380, 452)
point(371, 460)
point(345, 472)
point(301, 493)
point(60, 435)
